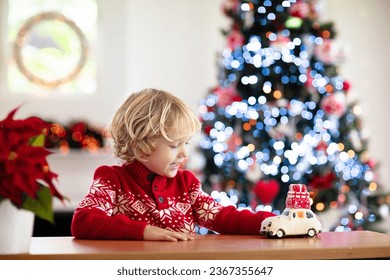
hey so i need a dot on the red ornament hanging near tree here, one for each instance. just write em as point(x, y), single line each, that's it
point(226, 96)
point(334, 104)
point(235, 39)
point(324, 182)
point(266, 190)
point(300, 9)
point(230, 7)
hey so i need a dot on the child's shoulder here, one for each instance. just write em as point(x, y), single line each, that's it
point(185, 173)
point(188, 178)
point(108, 170)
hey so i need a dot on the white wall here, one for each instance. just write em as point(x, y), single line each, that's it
point(172, 44)
point(168, 44)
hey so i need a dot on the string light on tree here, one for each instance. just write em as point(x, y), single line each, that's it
point(280, 113)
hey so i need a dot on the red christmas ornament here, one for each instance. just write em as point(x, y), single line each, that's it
point(323, 182)
point(371, 163)
point(346, 86)
point(329, 52)
point(322, 146)
point(280, 43)
point(300, 9)
point(207, 129)
point(235, 39)
point(309, 81)
point(226, 96)
point(266, 190)
point(334, 104)
point(298, 197)
point(234, 141)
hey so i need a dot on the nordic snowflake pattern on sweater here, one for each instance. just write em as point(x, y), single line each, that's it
point(181, 214)
point(124, 199)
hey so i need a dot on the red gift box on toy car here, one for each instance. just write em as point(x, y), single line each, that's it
point(298, 197)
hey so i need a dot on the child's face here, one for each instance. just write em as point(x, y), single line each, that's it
point(168, 156)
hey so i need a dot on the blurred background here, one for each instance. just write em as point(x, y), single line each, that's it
point(110, 49)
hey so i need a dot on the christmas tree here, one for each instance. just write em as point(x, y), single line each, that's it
point(280, 115)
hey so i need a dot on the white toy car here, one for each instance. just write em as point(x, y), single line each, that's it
point(292, 222)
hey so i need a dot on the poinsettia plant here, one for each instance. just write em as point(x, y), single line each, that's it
point(25, 176)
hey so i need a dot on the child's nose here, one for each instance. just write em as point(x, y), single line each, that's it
point(183, 151)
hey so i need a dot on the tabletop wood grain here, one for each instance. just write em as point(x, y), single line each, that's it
point(327, 245)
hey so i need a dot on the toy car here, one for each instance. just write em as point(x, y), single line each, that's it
point(292, 222)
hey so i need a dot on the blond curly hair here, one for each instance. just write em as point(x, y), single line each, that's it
point(144, 117)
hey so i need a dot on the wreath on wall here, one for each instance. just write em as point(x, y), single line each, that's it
point(48, 37)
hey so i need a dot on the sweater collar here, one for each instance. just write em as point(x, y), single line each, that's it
point(140, 173)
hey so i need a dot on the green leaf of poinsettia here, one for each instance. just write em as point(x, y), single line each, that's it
point(37, 141)
point(42, 205)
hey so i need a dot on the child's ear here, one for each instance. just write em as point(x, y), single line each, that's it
point(143, 158)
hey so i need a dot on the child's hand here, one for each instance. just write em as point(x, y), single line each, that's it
point(156, 233)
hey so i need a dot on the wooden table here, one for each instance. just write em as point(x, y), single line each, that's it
point(327, 245)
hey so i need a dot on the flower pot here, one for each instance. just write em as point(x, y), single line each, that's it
point(16, 228)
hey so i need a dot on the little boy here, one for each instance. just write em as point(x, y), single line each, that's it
point(148, 196)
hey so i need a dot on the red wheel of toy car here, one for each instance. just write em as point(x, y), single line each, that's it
point(311, 232)
point(280, 233)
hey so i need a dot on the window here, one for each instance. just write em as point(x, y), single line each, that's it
point(309, 215)
point(51, 47)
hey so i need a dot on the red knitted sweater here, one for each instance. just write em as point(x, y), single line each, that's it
point(124, 199)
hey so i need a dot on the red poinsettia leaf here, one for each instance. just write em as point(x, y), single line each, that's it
point(27, 128)
point(3, 143)
point(18, 182)
point(23, 165)
point(31, 122)
point(8, 190)
point(29, 166)
point(19, 131)
point(35, 124)
point(26, 181)
point(9, 166)
point(10, 140)
point(37, 154)
point(40, 171)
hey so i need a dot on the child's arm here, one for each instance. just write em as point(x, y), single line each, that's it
point(93, 223)
point(232, 221)
point(223, 219)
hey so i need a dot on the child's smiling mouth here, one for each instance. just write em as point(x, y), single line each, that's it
point(175, 164)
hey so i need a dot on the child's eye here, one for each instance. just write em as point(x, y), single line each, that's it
point(177, 146)
point(174, 145)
